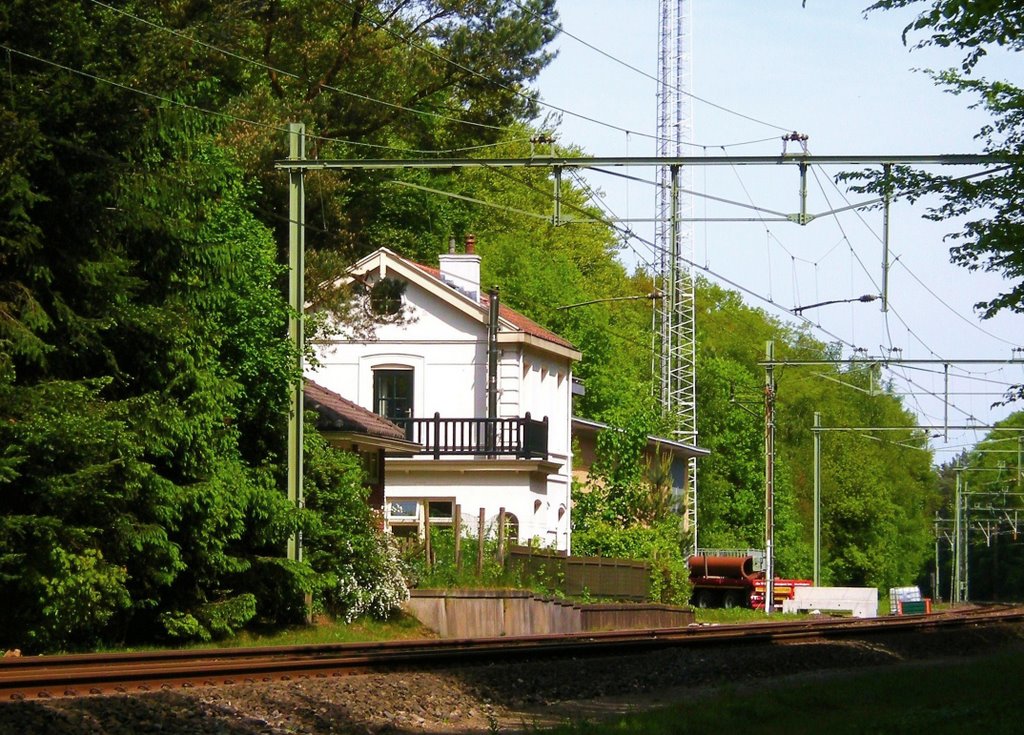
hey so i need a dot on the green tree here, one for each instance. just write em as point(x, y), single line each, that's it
point(986, 208)
point(626, 511)
point(991, 485)
point(878, 493)
point(143, 370)
point(375, 79)
point(128, 259)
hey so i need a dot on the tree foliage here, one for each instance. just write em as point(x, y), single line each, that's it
point(144, 372)
point(143, 365)
point(627, 509)
point(986, 208)
point(990, 481)
point(970, 26)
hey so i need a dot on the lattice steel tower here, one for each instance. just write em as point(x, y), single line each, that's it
point(674, 237)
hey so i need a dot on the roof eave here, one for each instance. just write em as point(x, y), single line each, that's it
point(540, 343)
point(656, 441)
point(397, 446)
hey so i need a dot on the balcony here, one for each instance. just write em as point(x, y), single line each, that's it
point(522, 438)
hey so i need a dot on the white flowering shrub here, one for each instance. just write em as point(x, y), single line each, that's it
point(371, 584)
point(359, 569)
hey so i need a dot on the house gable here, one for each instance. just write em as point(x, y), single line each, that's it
point(514, 328)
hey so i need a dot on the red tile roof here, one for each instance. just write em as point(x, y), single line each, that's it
point(521, 322)
point(340, 414)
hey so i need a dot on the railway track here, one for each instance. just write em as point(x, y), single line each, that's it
point(42, 677)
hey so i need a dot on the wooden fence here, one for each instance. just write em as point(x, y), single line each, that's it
point(578, 576)
point(620, 579)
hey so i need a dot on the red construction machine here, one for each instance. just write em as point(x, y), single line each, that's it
point(728, 581)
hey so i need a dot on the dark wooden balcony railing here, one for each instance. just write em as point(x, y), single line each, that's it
point(524, 438)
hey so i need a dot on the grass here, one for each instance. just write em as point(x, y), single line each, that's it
point(737, 616)
point(325, 631)
point(399, 627)
point(971, 695)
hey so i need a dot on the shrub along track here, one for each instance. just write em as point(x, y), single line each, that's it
point(46, 677)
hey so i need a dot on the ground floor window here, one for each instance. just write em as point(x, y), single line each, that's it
point(406, 517)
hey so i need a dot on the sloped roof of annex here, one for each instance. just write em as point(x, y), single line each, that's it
point(513, 326)
point(338, 417)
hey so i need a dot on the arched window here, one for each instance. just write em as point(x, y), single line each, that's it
point(512, 528)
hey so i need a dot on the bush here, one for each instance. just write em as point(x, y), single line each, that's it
point(357, 568)
point(78, 598)
point(280, 587)
point(368, 583)
point(658, 545)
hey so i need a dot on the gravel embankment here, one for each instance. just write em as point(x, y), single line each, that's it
point(484, 698)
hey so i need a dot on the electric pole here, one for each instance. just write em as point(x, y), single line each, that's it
point(769, 479)
point(296, 299)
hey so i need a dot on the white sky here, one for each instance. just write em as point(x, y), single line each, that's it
point(848, 83)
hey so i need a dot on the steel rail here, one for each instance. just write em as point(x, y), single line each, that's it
point(77, 675)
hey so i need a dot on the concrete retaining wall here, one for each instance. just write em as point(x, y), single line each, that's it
point(861, 602)
point(494, 613)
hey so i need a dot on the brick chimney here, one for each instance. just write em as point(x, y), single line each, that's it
point(462, 270)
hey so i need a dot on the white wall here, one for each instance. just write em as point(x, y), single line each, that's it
point(447, 351)
point(518, 492)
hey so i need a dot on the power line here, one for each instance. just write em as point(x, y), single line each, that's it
point(661, 82)
point(892, 308)
point(569, 163)
point(226, 115)
point(898, 259)
point(382, 26)
point(292, 75)
point(472, 200)
point(161, 98)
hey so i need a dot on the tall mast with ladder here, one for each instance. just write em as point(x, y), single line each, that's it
point(676, 354)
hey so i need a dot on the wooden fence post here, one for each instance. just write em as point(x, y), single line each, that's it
point(501, 535)
point(426, 530)
point(480, 544)
point(457, 530)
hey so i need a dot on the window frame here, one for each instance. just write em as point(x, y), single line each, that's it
point(392, 373)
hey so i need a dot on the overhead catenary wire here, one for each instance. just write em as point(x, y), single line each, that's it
point(662, 82)
point(897, 258)
point(913, 395)
point(835, 215)
point(630, 235)
point(586, 163)
point(203, 110)
point(299, 77)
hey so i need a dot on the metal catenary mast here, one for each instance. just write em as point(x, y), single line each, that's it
point(674, 239)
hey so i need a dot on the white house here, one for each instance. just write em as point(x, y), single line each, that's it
point(485, 445)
